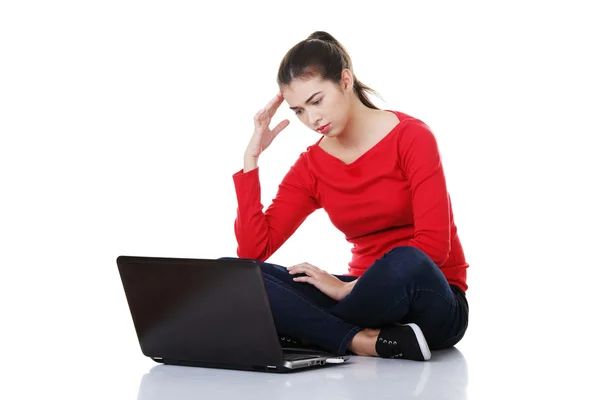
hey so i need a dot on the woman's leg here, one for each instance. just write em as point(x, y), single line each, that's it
point(307, 290)
point(405, 286)
point(402, 286)
point(301, 311)
point(310, 292)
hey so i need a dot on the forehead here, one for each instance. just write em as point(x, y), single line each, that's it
point(299, 90)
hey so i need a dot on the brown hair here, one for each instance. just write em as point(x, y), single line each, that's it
point(321, 55)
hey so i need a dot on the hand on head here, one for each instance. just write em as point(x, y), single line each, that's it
point(263, 135)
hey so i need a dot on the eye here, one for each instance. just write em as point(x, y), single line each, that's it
point(316, 103)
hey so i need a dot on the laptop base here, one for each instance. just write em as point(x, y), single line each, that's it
point(295, 366)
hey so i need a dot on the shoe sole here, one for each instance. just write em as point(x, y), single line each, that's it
point(421, 340)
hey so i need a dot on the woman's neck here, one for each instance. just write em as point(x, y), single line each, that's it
point(359, 125)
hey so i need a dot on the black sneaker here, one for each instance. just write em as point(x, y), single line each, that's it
point(403, 341)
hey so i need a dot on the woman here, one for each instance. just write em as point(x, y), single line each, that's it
point(378, 175)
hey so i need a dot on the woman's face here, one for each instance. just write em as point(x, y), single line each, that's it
point(319, 103)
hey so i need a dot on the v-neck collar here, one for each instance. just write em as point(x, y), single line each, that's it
point(372, 149)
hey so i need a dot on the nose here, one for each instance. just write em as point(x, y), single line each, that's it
point(315, 120)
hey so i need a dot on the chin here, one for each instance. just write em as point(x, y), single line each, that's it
point(331, 133)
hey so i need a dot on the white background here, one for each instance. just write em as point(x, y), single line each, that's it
point(122, 123)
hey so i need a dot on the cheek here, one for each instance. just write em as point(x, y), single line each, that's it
point(338, 108)
point(303, 118)
point(338, 114)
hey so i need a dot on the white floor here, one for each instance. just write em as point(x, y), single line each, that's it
point(445, 377)
point(450, 374)
point(465, 372)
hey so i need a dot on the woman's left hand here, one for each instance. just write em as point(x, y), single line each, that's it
point(325, 282)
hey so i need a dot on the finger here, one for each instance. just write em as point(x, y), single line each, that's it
point(297, 269)
point(280, 126)
point(305, 268)
point(305, 279)
point(274, 104)
point(312, 268)
point(259, 114)
point(299, 265)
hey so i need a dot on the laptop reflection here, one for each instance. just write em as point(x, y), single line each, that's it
point(445, 376)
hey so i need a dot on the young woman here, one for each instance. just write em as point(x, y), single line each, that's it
point(379, 177)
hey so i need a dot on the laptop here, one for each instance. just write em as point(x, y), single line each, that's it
point(211, 313)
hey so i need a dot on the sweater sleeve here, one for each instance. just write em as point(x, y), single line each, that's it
point(422, 164)
point(260, 234)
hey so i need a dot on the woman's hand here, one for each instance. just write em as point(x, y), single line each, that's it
point(325, 282)
point(263, 136)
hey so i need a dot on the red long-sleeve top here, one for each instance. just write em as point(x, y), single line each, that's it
point(393, 195)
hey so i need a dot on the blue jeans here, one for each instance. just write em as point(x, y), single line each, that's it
point(404, 285)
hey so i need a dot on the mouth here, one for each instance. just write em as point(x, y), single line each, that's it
point(324, 128)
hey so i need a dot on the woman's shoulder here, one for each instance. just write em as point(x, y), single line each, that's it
point(416, 142)
point(410, 124)
point(406, 119)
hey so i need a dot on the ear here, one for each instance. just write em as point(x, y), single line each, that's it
point(347, 80)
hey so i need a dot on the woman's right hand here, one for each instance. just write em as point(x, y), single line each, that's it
point(263, 136)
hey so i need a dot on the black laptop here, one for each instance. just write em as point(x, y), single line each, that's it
point(208, 313)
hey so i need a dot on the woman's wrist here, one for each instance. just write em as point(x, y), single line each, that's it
point(347, 288)
point(250, 163)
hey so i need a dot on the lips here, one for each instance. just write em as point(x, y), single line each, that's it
point(324, 128)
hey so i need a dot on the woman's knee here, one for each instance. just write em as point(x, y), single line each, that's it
point(405, 262)
point(409, 253)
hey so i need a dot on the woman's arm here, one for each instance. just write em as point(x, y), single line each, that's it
point(422, 164)
point(259, 234)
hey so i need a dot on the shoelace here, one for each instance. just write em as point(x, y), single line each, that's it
point(395, 352)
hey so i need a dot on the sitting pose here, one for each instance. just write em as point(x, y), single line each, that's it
point(378, 175)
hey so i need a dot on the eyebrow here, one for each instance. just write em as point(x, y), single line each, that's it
point(307, 100)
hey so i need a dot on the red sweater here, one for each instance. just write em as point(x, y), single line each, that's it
point(393, 195)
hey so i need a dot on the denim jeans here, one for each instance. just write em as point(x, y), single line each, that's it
point(404, 285)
